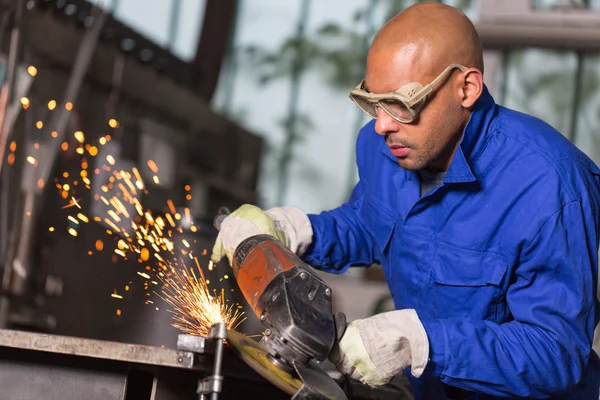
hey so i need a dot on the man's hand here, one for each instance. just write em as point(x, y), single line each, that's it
point(288, 224)
point(376, 349)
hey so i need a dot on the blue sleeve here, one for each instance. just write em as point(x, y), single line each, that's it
point(339, 238)
point(546, 348)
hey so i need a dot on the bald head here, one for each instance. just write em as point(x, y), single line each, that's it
point(417, 45)
point(432, 36)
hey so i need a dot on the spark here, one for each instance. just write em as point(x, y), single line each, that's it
point(51, 229)
point(113, 123)
point(32, 70)
point(146, 236)
point(194, 308)
point(51, 105)
point(69, 106)
point(170, 219)
point(152, 165)
point(25, 102)
point(73, 202)
point(31, 160)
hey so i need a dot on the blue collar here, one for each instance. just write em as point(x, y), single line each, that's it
point(475, 136)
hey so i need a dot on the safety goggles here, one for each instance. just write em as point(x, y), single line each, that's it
point(404, 104)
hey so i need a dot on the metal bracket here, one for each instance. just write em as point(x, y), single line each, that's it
point(211, 385)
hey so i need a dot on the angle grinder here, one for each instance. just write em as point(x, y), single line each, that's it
point(295, 307)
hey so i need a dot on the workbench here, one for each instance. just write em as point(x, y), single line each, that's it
point(36, 366)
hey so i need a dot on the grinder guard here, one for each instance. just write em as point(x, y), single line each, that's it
point(292, 302)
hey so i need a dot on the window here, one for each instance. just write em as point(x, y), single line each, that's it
point(541, 83)
point(587, 124)
point(172, 24)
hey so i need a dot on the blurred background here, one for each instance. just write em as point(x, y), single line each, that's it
point(216, 103)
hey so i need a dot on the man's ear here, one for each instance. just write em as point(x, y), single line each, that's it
point(472, 87)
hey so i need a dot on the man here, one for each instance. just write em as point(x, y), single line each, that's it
point(485, 220)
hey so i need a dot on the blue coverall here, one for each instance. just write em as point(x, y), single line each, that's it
point(500, 261)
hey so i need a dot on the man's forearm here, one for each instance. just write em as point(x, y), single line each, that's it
point(512, 359)
point(339, 241)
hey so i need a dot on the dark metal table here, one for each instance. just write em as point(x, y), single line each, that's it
point(37, 366)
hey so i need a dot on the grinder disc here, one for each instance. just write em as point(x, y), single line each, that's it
point(255, 355)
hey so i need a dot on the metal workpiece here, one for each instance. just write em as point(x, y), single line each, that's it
point(212, 385)
point(37, 366)
point(116, 351)
point(192, 343)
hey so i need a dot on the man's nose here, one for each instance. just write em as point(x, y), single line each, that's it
point(385, 123)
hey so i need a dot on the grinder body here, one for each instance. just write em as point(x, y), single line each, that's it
point(291, 301)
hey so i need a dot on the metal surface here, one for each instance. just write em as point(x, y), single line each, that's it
point(512, 24)
point(7, 92)
point(96, 348)
point(195, 344)
point(213, 384)
point(17, 271)
point(35, 366)
point(22, 380)
point(255, 355)
point(6, 96)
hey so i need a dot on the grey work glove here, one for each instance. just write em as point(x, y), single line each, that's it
point(376, 349)
point(288, 224)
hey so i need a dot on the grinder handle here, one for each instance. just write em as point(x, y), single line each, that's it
point(339, 320)
point(221, 215)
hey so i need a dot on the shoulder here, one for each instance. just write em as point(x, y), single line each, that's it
point(540, 156)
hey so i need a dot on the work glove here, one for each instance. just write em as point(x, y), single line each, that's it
point(376, 349)
point(288, 224)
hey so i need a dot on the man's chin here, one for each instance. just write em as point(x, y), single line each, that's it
point(409, 164)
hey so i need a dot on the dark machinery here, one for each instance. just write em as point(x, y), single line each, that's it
point(295, 307)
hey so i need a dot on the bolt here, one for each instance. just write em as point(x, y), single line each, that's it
point(180, 360)
point(263, 317)
point(303, 275)
point(328, 292)
point(311, 296)
point(268, 332)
